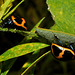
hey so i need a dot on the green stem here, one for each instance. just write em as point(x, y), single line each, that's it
point(37, 60)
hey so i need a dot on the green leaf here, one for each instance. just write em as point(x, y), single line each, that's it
point(13, 9)
point(7, 6)
point(20, 50)
point(63, 12)
point(8, 9)
point(49, 35)
point(33, 30)
point(4, 7)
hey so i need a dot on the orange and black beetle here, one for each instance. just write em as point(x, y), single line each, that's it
point(62, 53)
point(15, 22)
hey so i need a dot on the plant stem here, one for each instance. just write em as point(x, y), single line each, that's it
point(37, 60)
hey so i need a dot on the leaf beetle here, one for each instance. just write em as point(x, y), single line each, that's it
point(15, 22)
point(62, 53)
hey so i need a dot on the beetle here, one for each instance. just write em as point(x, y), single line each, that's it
point(62, 53)
point(15, 22)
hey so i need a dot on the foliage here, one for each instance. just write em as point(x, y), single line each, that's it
point(63, 14)
point(35, 40)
